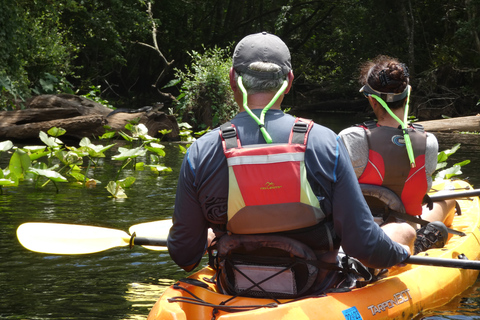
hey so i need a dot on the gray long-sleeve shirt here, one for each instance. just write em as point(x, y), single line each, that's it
point(202, 192)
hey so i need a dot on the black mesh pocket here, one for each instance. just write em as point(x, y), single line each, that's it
point(265, 267)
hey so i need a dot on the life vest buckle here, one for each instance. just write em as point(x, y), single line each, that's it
point(229, 132)
point(300, 127)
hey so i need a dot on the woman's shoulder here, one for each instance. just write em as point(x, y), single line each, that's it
point(353, 130)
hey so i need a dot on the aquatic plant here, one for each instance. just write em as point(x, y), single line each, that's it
point(56, 162)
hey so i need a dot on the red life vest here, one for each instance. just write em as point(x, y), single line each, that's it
point(268, 187)
point(388, 164)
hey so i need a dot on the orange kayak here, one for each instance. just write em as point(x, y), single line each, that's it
point(406, 292)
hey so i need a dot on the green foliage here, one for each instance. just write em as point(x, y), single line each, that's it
point(454, 170)
point(54, 162)
point(95, 95)
point(137, 134)
point(34, 58)
point(206, 97)
point(9, 92)
point(69, 46)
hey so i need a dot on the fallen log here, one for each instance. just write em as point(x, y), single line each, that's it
point(80, 118)
point(459, 124)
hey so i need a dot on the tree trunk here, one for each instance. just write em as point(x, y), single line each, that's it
point(80, 118)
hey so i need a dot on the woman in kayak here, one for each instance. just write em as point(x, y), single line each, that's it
point(394, 160)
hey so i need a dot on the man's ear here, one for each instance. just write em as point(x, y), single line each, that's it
point(290, 77)
point(233, 83)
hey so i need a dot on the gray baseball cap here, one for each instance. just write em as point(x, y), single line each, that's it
point(262, 47)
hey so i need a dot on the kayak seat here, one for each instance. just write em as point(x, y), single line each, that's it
point(268, 266)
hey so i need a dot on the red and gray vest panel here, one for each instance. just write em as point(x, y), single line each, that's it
point(268, 188)
point(388, 164)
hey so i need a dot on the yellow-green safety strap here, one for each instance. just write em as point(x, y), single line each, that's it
point(261, 121)
point(408, 142)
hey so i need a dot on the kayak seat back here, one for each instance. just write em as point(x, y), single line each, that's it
point(268, 266)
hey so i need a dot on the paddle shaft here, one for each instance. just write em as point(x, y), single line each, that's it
point(140, 241)
point(455, 195)
point(442, 262)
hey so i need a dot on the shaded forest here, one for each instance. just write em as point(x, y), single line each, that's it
point(129, 49)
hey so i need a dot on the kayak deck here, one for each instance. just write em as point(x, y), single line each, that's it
point(406, 292)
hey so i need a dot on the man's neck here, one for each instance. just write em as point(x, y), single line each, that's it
point(261, 100)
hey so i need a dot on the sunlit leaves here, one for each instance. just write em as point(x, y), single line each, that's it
point(129, 153)
point(165, 131)
point(159, 168)
point(93, 150)
point(8, 182)
point(81, 178)
point(6, 145)
point(116, 190)
point(69, 158)
point(185, 132)
point(443, 155)
point(454, 170)
point(157, 148)
point(183, 149)
point(56, 132)
point(25, 163)
point(49, 174)
point(137, 132)
point(127, 182)
point(19, 164)
point(77, 175)
point(51, 142)
point(35, 152)
point(6, 179)
point(107, 135)
point(202, 132)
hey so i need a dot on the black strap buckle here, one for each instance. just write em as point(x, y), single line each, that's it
point(300, 127)
point(229, 132)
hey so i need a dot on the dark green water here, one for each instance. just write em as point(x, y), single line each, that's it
point(121, 283)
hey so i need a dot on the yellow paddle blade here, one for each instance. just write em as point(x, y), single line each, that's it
point(154, 229)
point(58, 238)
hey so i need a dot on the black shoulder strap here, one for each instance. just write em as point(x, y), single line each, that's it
point(229, 135)
point(300, 130)
point(418, 127)
point(370, 124)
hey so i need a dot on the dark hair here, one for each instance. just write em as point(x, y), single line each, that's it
point(385, 74)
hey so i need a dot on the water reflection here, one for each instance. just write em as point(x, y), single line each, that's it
point(144, 295)
point(122, 283)
point(463, 307)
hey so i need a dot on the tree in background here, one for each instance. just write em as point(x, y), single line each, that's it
point(206, 99)
point(130, 47)
point(34, 57)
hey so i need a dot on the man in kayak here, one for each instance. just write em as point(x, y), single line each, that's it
point(273, 186)
point(390, 155)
